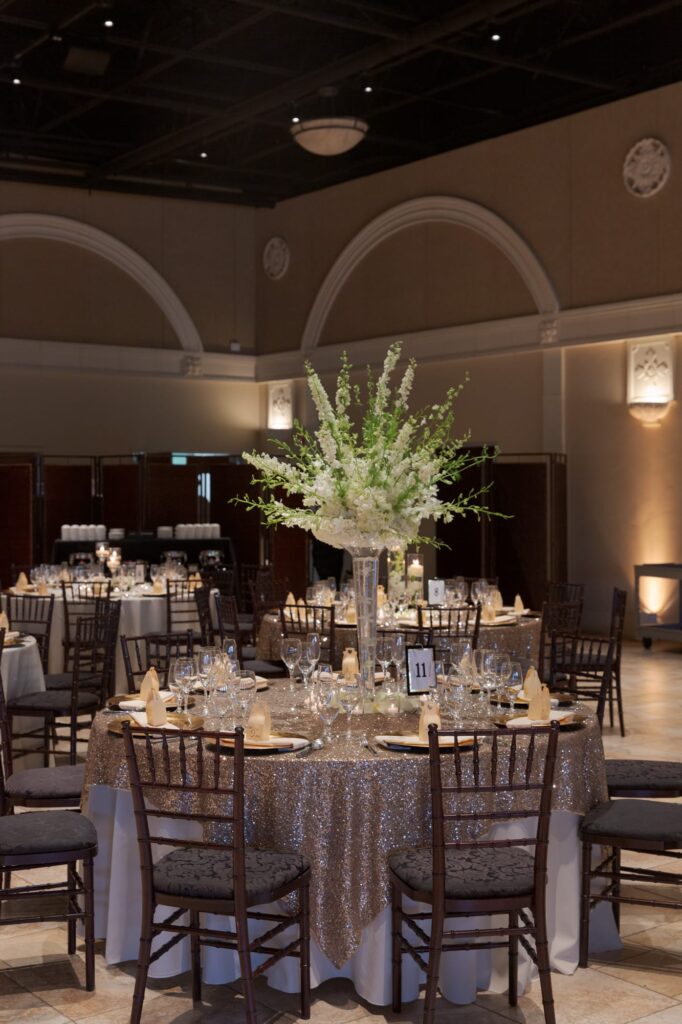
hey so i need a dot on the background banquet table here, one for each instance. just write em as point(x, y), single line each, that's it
point(345, 809)
point(520, 639)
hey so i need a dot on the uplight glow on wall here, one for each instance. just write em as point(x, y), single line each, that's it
point(281, 406)
point(651, 387)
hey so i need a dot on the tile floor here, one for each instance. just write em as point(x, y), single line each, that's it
point(642, 982)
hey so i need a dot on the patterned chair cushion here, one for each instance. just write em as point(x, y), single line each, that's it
point(64, 782)
point(205, 873)
point(472, 874)
point(52, 701)
point(46, 832)
point(652, 775)
point(636, 819)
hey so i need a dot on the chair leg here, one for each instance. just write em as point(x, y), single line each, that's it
point(242, 927)
point(46, 742)
point(304, 904)
point(611, 703)
point(397, 958)
point(434, 965)
point(513, 961)
point(542, 947)
point(196, 956)
point(143, 958)
point(585, 899)
point(619, 701)
point(72, 904)
point(616, 885)
point(89, 924)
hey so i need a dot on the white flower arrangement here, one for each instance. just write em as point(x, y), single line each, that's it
point(371, 486)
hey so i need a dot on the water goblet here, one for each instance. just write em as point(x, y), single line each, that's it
point(315, 647)
point(245, 692)
point(514, 684)
point(185, 676)
point(350, 695)
point(290, 653)
point(327, 700)
point(206, 657)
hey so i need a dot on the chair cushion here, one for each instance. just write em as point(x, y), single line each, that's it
point(206, 873)
point(636, 819)
point(52, 701)
point(63, 782)
point(653, 775)
point(58, 680)
point(470, 874)
point(46, 832)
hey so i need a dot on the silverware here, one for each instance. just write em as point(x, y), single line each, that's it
point(372, 750)
point(313, 746)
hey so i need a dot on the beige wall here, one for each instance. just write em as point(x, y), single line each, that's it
point(559, 185)
point(204, 251)
point(79, 414)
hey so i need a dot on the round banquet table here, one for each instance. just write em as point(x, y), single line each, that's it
point(520, 640)
point(22, 673)
point(345, 809)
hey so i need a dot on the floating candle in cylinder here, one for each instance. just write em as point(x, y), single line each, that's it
point(415, 577)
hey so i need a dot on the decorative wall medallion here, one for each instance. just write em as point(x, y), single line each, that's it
point(276, 258)
point(549, 331)
point(191, 366)
point(646, 168)
point(281, 406)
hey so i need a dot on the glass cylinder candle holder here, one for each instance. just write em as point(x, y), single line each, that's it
point(414, 578)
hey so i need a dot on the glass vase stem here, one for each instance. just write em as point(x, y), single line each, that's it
point(365, 580)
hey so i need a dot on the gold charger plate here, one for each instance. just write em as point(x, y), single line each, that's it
point(563, 699)
point(185, 723)
point(414, 744)
point(115, 701)
point(251, 748)
point(576, 722)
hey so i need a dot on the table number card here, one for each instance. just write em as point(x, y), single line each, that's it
point(421, 672)
point(436, 591)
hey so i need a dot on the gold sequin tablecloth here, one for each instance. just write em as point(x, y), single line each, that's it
point(519, 640)
point(346, 808)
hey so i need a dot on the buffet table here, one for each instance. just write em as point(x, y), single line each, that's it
point(520, 640)
point(345, 808)
point(139, 548)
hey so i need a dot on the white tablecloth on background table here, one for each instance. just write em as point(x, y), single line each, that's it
point(118, 904)
point(22, 673)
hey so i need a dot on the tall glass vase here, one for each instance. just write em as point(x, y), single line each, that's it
point(365, 580)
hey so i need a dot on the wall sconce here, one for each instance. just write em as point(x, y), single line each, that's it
point(651, 386)
point(281, 406)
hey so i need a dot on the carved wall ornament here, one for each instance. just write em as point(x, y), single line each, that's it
point(651, 379)
point(276, 258)
point(646, 168)
point(549, 331)
point(281, 406)
point(191, 366)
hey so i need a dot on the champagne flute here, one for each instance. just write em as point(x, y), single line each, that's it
point(327, 700)
point(290, 653)
point(206, 657)
point(184, 675)
point(349, 694)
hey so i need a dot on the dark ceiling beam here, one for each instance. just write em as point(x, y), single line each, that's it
point(275, 98)
point(151, 72)
point(48, 31)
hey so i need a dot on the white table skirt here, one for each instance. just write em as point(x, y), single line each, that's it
point(22, 672)
point(118, 902)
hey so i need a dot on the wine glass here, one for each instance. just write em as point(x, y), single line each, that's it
point(307, 663)
point(503, 673)
point(290, 653)
point(456, 688)
point(327, 699)
point(349, 695)
point(313, 642)
point(206, 658)
point(245, 692)
point(514, 684)
point(184, 676)
point(385, 655)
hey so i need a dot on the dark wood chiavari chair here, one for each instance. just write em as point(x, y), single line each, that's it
point(466, 872)
point(556, 618)
point(208, 877)
point(582, 665)
point(267, 594)
point(81, 599)
point(616, 629)
point(202, 598)
point(45, 838)
point(565, 593)
point(460, 623)
point(32, 614)
point(301, 619)
point(229, 625)
point(153, 650)
point(221, 578)
point(181, 607)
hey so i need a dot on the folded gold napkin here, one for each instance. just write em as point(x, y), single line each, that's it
point(158, 587)
point(349, 663)
point(140, 718)
point(4, 621)
point(64, 576)
point(531, 683)
point(22, 582)
point(381, 596)
point(487, 613)
point(42, 589)
point(429, 715)
point(539, 706)
point(498, 603)
point(518, 605)
point(525, 721)
point(150, 685)
point(156, 710)
point(290, 599)
point(11, 635)
point(259, 724)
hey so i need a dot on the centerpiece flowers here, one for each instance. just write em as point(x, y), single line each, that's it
point(368, 477)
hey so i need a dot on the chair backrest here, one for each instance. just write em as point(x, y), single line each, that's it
point(221, 578)
point(153, 650)
point(32, 614)
point(202, 598)
point(472, 790)
point(96, 654)
point(267, 594)
point(301, 619)
point(565, 593)
point(181, 607)
point(82, 599)
point(460, 623)
point(227, 614)
point(562, 617)
point(186, 772)
point(5, 736)
point(583, 665)
point(617, 624)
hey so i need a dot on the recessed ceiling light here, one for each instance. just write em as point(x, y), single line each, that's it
point(203, 154)
point(368, 88)
point(496, 37)
point(295, 120)
point(108, 23)
point(16, 81)
point(56, 38)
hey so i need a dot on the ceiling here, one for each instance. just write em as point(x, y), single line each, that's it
point(194, 98)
